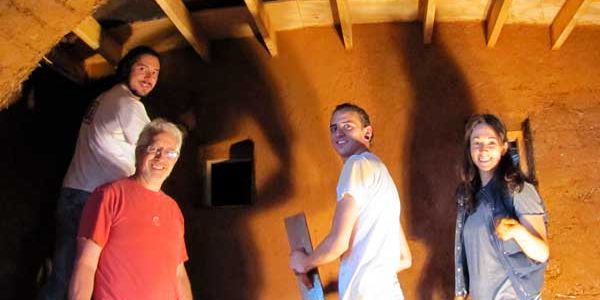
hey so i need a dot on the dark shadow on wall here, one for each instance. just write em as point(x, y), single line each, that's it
point(213, 101)
point(38, 137)
point(441, 105)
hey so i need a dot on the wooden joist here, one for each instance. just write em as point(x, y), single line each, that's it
point(181, 18)
point(91, 33)
point(258, 18)
point(263, 23)
point(496, 18)
point(345, 22)
point(565, 20)
point(428, 12)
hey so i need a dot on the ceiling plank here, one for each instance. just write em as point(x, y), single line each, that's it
point(263, 23)
point(496, 18)
point(345, 22)
point(91, 33)
point(183, 21)
point(565, 20)
point(428, 11)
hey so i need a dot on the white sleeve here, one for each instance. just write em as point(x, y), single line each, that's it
point(355, 179)
point(132, 118)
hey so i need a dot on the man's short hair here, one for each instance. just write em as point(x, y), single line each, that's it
point(155, 127)
point(125, 64)
point(362, 114)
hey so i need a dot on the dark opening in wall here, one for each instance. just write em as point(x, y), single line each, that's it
point(230, 182)
point(520, 149)
point(513, 151)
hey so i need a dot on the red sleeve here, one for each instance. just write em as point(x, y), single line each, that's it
point(98, 216)
point(183, 255)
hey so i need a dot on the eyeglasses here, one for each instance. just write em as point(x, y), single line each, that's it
point(169, 153)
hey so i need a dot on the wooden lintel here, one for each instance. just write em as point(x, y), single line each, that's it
point(183, 21)
point(565, 20)
point(345, 22)
point(496, 18)
point(263, 24)
point(428, 10)
point(91, 33)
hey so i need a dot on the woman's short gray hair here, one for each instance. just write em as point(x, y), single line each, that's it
point(157, 126)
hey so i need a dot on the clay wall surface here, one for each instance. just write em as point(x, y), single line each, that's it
point(418, 97)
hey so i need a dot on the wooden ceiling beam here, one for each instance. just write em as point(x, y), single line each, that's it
point(565, 20)
point(496, 19)
point(91, 33)
point(263, 24)
point(183, 21)
point(345, 22)
point(427, 8)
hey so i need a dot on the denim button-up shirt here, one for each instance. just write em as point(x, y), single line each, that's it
point(525, 274)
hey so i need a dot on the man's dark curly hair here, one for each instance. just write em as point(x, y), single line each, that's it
point(124, 67)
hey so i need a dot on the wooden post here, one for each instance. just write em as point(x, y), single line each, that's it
point(428, 10)
point(263, 24)
point(565, 20)
point(496, 18)
point(345, 22)
point(180, 16)
point(91, 33)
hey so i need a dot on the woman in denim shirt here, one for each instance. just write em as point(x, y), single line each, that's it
point(501, 246)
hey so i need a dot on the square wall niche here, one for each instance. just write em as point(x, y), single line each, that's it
point(230, 182)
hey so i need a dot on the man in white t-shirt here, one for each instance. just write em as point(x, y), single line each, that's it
point(366, 231)
point(105, 151)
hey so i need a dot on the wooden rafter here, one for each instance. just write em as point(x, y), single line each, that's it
point(428, 12)
point(496, 18)
point(183, 21)
point(565, 20)
point(263, 23)
point(91, 33)
point(345, 22)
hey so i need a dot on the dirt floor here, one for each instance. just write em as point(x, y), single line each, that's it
point(418, 96)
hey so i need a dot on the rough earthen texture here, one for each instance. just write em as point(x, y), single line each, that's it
point(28, 30)
point(418, 97)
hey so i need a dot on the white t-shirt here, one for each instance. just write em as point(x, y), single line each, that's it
point(105, 149)
point(368, 268)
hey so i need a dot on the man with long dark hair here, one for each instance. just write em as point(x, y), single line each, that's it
point(105, 151)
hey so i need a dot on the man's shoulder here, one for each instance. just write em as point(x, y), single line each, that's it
point(119, 93)
point(364, 159)
point(120, 184)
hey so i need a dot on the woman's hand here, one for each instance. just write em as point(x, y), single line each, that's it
point(508, 228)
point(529, 232)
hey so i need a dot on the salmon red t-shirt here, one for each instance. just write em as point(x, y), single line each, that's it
point(141, 233)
